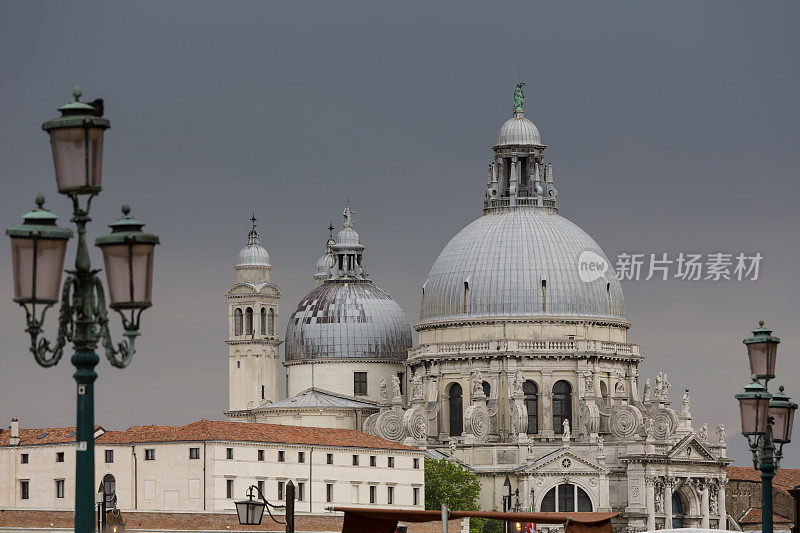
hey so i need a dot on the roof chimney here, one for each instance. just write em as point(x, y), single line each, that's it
point(14, 439)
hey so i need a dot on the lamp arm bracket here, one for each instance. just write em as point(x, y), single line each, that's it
point(40, 347)
point(122, 355)
point(267, 504)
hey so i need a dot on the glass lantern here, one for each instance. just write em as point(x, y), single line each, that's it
point(250, 511)
point(128, 257)
point(762, 349)
point(77, 141)
point(782, 409)
point(38, 247)
point(754, 408)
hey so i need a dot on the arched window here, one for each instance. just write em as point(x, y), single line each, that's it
point(456, 414)
point(677, 511)
point(563, 499)
point(562, 406)
point(532, 405)
point(237, 322)
point(604, 390)
point(109, 490)
point(263, 320)
point(487, 389)
point(248, 321)
point(271, 322)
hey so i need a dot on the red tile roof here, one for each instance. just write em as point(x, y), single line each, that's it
point(214, 430)
point(753, 516)
point(34, 437)
point(785, 479)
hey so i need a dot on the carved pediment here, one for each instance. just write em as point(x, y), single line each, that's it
point(690, 448)
point(564, 462)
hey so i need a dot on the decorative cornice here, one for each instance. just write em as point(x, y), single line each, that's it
point(541, 319)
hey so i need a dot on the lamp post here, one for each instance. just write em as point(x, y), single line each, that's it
point(766, 419)
point(38, 247)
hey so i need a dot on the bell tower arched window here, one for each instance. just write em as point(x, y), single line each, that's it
point(531, 392)
point(248, 321)
point(237, 322)
point(263, 320)
point(562, 405)
point(271, 322)
point(456, 413)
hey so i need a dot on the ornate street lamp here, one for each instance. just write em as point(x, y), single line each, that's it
point(766, 419)
point(38, 247)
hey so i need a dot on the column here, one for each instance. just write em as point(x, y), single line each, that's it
point(547, 405)
point(668, 484)
point(704, 503)
point(650, 502)
point(723, 513)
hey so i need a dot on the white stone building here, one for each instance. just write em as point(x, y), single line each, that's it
point(206, 465)
point(524, 370)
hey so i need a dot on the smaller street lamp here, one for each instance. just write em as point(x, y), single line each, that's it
point(250, 511)
point(762, 349)
point(754, 408)
point(38, 248)
point(781, 411)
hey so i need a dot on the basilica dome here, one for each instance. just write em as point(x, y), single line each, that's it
point(519, 263)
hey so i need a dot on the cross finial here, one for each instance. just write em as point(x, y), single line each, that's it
point(253, 220)
point(330, 228)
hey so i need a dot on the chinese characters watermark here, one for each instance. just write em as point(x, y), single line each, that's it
point(718, 266)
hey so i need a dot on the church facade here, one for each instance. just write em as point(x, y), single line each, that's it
point(523, 371)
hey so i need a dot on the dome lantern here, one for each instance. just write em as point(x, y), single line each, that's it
point(253, 254)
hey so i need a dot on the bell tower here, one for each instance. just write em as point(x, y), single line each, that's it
point(253, 339)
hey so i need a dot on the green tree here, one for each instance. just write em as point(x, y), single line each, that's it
point(452, 484)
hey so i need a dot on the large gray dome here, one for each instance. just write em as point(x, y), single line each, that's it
point(350, 319)
point(495, 266)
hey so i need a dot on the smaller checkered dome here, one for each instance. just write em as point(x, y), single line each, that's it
point(345, 320)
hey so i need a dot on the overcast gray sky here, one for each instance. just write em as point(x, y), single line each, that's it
point(672, 127)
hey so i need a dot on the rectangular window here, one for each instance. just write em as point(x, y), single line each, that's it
point(194, 453)
point(261, 487)
point(416, 495)
point(59, 457)
point(263, 392)
point(59, 488)
point(400, 377)
point(23, 458)
point(229, 453)
point(281, 456)
point(260, 455)
point(23, 490)
point(301, 457)
point(390, 462)
point(329, 492)
point(330, 458)
point(150, 454)
point(109, 456)
point(372, 490)
point(359, 383)
point(229, 488)
point(416, 463)
point(300, 491)
point(373, 461)
point(390, 495)
point(281, 486)
point(355, 460)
